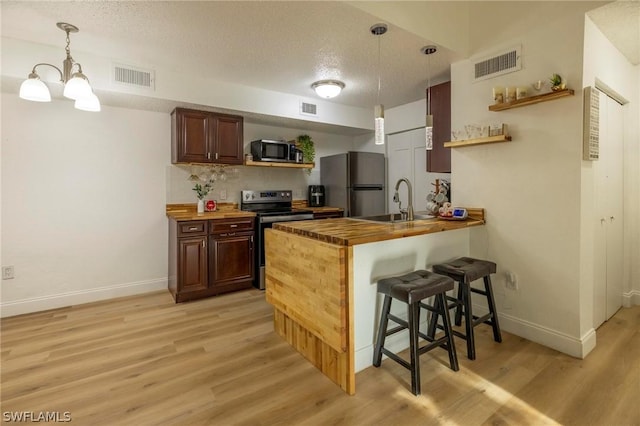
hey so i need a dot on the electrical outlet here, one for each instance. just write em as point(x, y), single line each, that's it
point(223, 194)
point(7, 273)
point(511, 281)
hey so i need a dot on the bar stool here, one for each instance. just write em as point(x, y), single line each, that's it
point(413, 289)
point(465, 270)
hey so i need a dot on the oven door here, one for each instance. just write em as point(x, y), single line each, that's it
point(266, 222)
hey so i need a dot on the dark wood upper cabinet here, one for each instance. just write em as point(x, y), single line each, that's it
point(206, 137)
point(439, 158)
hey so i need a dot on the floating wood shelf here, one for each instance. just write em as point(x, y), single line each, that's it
point(531, 100)
point(478, 141)
point(278, 164)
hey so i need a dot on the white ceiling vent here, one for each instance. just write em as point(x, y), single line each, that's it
point(133, 76)
point(308, 109)
point(498, 64)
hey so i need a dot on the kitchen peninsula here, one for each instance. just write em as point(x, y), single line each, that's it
point(321, 279)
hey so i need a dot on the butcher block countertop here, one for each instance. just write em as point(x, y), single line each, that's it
point(351, 231)
point(183, 212)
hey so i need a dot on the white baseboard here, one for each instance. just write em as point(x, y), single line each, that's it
point(37, 304)
point(631, 299)
point(578, 348)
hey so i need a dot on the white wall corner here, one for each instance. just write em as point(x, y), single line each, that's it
point(631, 298)
point(562, 342)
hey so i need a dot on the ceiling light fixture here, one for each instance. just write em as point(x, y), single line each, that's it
point(429, 50)
point(378, 30)
point(76, 84)
point(328, 88)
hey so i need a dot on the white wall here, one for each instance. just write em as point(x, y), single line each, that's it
point(84, 197)
point(602, 61)
point(531, 186)
point(83, 203)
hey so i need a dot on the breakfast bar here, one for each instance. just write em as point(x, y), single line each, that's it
point(321, 279)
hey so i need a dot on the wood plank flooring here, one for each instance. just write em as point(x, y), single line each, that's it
point(144, 360)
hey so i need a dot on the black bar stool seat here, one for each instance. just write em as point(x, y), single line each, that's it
point(465, 270)
point(413, 289)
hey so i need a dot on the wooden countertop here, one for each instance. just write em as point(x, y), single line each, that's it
point(302, 204)
point(183, 212)
point(350, 232)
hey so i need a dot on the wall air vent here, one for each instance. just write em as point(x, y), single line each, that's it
point(498, 64)
point(308, 109)
point(133, 76)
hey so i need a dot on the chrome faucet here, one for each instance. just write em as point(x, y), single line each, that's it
point(409, 210)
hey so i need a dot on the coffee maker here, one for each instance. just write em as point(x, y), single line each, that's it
point(316, 196)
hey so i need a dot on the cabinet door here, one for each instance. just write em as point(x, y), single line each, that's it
point(228, 139)
point(190, 136)
point(231, 261)
point(192, 264)
point(439, 158)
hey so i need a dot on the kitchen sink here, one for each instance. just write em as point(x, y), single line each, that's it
point(395, 217)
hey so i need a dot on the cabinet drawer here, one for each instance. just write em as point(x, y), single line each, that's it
point(231, 225)
point(192, 228)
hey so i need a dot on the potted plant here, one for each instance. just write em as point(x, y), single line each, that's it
point(201, 192)
point(556, 82)
point(305, 144)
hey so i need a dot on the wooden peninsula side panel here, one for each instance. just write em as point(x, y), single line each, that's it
point(307, 283)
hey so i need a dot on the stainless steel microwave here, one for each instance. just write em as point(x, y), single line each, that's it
point(269, 150)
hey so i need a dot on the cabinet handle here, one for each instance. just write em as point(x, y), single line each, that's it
point(208, 156)
point(203, 244)
point(216, 155)
point(231, 234)
point(233, 226)
point(193, 228)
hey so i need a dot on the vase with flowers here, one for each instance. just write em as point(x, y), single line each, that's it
point(202, 189)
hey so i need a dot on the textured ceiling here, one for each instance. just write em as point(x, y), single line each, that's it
point(280, 46)
point(620, 23)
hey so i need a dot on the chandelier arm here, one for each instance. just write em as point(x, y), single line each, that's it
point(52, 66)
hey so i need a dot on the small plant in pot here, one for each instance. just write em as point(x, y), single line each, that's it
point(305, 144)
point(556, 82)
point(201, 191)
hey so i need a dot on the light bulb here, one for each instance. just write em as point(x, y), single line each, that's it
point(379, 125)
point(428, 128)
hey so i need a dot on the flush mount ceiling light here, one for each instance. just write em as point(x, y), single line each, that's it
point(328, 88)
point(378, 30)
point(76, 84)
point(429, 50)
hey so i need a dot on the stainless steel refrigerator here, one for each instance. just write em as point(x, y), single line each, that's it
point(355, 181)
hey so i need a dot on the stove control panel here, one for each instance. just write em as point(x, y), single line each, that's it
point(248, 196)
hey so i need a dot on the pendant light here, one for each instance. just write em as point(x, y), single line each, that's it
point(428, 126)
point(378, 30)
point(76, 84)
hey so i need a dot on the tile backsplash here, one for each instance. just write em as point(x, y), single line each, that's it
point(179, 187)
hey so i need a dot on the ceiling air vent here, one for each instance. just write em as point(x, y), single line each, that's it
point(499, 64)
point(133, 76)
point(308, 109)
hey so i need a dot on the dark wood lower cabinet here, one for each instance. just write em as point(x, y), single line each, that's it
point(210, 257)
point(231, 261)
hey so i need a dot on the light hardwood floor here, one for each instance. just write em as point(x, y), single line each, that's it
point(144, 360)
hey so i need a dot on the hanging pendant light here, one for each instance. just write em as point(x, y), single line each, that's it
point(378, 30)
point(428, 126)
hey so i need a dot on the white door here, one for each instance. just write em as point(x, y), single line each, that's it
point(609, 236)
